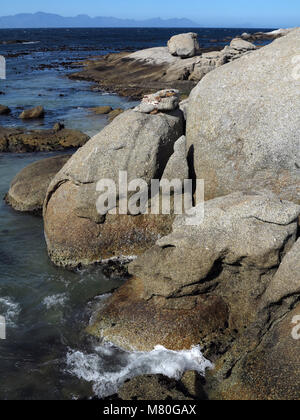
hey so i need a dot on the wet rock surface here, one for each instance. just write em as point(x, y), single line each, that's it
point(37, 112)
point(20, 141)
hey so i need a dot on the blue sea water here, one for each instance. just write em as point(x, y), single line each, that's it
point(47, 308)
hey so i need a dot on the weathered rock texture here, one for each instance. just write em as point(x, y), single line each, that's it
point(138, 143)
point(242, 128)
point(202, 284)
point(263, 363)
point(19, 141)
point(159, 388)
point(28, 189)
point(131, 322)
point(184, 45)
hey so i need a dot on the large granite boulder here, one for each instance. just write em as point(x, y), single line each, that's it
point(138, 143)
point(184, 45)
point(203, 284)
point(28, 189)
point(242, 127)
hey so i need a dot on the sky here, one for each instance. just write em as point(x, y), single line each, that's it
point(226, 13)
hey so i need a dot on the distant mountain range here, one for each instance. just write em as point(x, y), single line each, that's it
point(49, 20)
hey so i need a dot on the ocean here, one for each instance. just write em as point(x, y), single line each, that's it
point(46, 354)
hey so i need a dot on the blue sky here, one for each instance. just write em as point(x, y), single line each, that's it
point(243, 13)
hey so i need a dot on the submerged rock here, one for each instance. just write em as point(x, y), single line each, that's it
point(58, 126)
point(242, 128)
point(138, 143)
point(37, 112)
point(20, 141)
point(102, 110)
point(28, 189)
point(4, 110)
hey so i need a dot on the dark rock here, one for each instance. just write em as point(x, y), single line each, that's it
point(4, 110)
point(19, 141)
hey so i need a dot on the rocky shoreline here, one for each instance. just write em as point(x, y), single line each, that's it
point(230, 284)
point(137, 74)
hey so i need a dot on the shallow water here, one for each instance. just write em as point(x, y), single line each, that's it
point(36, 76)
point(46, 307)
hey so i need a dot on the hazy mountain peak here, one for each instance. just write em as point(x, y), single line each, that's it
point(50, 20)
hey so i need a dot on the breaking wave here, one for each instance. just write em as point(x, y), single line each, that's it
point(55, 300)
point(107, 377)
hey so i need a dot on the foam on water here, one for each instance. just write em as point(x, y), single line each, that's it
point(9, 310)
point(55, 300)
point(107, 380)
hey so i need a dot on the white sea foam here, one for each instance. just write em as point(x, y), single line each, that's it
point(108, 377)
point(10, 310)
point(55, 300)
point(30, 42)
